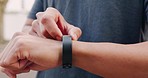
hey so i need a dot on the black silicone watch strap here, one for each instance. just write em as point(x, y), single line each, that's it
point(67, 52)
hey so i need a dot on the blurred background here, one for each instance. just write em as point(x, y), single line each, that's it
point(13, 14)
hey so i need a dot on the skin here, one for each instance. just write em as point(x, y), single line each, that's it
point(27, 52)
point(51, 24)
point(33, 27)
point(19, 58)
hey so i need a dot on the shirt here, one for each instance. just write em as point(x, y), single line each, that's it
point(117, 21)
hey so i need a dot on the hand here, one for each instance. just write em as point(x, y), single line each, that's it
point(51, 24)
point(25, 52)
point(33, 29)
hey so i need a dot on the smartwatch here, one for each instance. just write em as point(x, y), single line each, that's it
point(67, 52)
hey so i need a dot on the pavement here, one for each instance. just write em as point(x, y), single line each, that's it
point(31, 74)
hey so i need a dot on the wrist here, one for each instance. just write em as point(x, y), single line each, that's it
point(76, 47)
point(80, 53)
point(59, 48)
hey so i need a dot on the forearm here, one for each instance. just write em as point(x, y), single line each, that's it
point(112, 60)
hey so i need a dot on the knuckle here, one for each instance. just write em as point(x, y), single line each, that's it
point(39, 14)
point(17, 38)
point(17, 34)
point(19, 41)
point(51, 9)
point(3, 64)
point(46, 18)
point(78, 29)
point(31, 32)
point(35, 24)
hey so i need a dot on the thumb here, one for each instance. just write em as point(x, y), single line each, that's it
point(75, 33)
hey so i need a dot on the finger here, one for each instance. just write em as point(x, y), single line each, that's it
point(12, 73)
point(28, 64)
point(11, 59)
point(9, 73)
point(9, 45)
point(36, 67)
point(75, 32)
point(10, 49)
point(7, 50)
point(37, 28)
point(47, 35)
point(51, 27)
point(32, 32)
point(12, 63)
point(26, 70)
point(53, 22)
point(16, 61)
point(18, 34)
point(39, 16)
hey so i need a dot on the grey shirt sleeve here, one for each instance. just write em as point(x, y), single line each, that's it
point(37, 7)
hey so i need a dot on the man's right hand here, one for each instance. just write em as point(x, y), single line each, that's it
point(53, 25)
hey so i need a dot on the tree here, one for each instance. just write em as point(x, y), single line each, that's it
point(2, 10)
